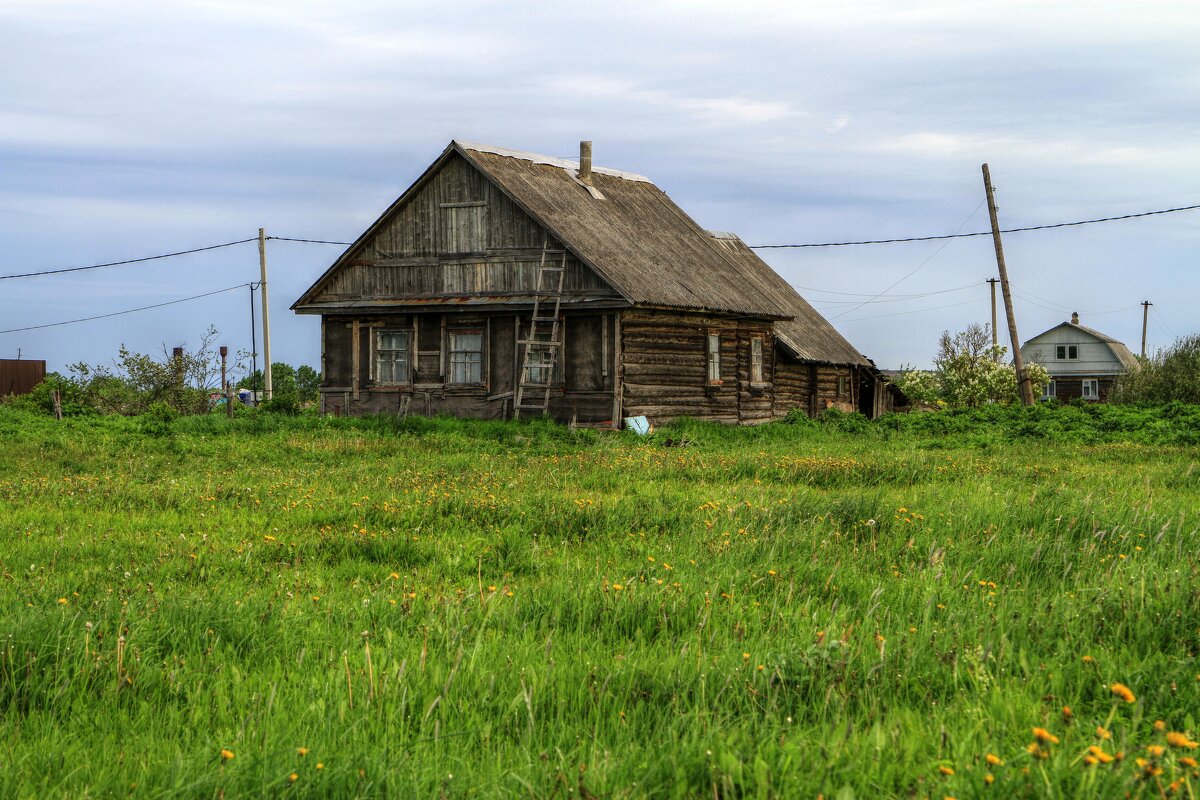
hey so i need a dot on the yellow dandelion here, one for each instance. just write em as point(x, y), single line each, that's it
point(1098, 753)
point(1159, 725)
point(1155, 750)
point(1102, 732)
point(292, 778)
point(226, 755)
point(1089, 660)
point(62, 601)
point(617, 587)
point(989, 779)
point(1090, 761)
point(302, 751)
point(320, 765)
point(1188, 761)
point(993, 760)
point(1124, 692)
point(946, 770)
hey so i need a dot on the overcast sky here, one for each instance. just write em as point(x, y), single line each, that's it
point(129, 129)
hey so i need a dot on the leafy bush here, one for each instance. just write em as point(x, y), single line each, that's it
point(1171, 376)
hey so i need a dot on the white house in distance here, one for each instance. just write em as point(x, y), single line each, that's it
point(1082, 362)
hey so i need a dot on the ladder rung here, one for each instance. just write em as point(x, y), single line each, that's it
point(533, 385)
point(545, 319)
point(539, 342)
point(552, 269)
point(532, 408)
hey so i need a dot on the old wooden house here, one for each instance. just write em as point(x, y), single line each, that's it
point(1082, 362)
point(505, 283)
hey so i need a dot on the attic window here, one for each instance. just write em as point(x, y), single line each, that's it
point(1066, 352)
point(464, 228)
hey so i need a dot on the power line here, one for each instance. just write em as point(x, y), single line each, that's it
point(915, 270)
point(308, 241)
point(978, 233)
point(127, 311)
point(895, 296)
point(891, 299)
point(916, 310)
point(1050, 305)
point(127, 261)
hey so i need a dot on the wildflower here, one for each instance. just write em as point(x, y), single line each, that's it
point(946, 770)
point(292, 778)
point(1176, 739)
point(1122, 691)
point(617, 587)
point(226, 755)
point(302, 751)
point(1155, 750)
point(62, 601)
point(1103, 733)
point(1043, 735)
point(761, 667)
point(1098, 753)
point(745, 656)
point(989, 779)
point(993, 760)
point(1090, 761)
point(320, 765)
point(1188, 761)
point(1159, 725)
point(1067, 715)
point(394, 576)
point(1089, 660)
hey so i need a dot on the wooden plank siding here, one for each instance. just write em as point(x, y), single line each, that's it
point(458, 235)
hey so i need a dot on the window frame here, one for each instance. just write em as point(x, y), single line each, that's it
point(377, 350)
point(757, 370)
point(842, 382)
point(1050, 390)
point(1094, 383)
point(712, 350)
point(452, 335)
point(1066, 352)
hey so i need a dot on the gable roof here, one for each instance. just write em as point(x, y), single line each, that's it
point(1118, 348)
point(642, 244)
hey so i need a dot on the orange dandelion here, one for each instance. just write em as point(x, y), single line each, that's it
point(1124, 692)
point(989, 779)
point(1159, 725)
point(292, 778)
point(1103, 732)
point(946, 770)
point(226, 755)
point(302, 751)
point(993, 760)
point(1180, 740)
point(1043, 735)
point(1155, 750)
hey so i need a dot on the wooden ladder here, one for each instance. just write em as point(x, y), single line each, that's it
point(543, 343)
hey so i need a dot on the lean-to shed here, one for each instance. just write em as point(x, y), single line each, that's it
point(505, 283)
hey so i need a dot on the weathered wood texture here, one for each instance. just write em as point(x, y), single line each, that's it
point(20, 375)
point(1067, 389)
point(814, 387)
point(664, 366)
point(458, 235)
point(584, 384)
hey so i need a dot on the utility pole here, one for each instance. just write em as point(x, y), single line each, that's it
point(995, 341)
point(262, 264)
point(1022, 379)
point(1145, 319)
point(253, 346)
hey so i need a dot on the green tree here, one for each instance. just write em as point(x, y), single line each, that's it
point(970, 372)
point(308, 380)
point(1171, 375)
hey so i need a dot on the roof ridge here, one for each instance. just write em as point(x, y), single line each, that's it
point(553, 161)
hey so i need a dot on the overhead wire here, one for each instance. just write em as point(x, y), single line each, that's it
point(917, 310)
point(127, 311)
point(128, 260)
point(957, 235)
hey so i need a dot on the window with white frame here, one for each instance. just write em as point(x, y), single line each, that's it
point(841, 390)
point(1091, 389)
point(392, 357)
point(466, 357)
point(1066, 352)
point(1050, 391)
point(714, 357)
point(756, 360)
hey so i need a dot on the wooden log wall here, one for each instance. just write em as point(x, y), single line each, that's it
point(664, 367)
point(813, 387)
point(586, 382)
point(457, 235)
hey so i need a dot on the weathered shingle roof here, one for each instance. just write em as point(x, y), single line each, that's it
point(645, 246)
point(652, 252)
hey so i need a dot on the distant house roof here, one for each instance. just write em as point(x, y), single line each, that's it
point(1119, 350)
point(641, 243)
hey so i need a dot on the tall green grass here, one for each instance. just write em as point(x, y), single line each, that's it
point(439, 608)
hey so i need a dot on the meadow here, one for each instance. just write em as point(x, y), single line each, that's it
point(998, 605)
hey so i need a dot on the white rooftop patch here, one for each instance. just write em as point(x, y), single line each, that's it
point(537, 158)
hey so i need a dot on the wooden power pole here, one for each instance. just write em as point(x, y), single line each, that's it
point(1022, 379)
point(995, 341)
point(262, 264)
point(1145, 319)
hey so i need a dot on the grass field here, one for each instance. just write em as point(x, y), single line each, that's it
point(319, 607)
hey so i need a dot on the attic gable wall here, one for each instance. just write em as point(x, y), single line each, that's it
point(415, 252)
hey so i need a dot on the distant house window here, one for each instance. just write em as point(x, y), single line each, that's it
point(1050, 391)
point(1066, 352)
point(841, 390)
point(392, 357)
point(464, 228)
point(1091, 389)
point(756, 360)
point(466, 357)
point(714, 357)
